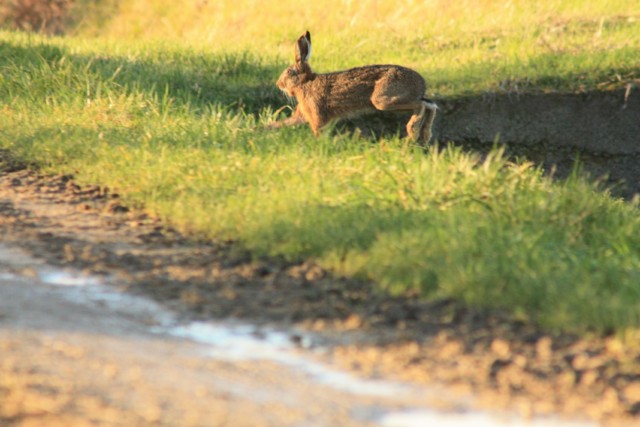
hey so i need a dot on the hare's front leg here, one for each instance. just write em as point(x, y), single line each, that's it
point(314, 115)
point(296, 119)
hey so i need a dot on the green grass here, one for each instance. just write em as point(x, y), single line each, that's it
point(177, 129)
point(461, 47)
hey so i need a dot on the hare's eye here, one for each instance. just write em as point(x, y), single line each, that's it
point(292, 72)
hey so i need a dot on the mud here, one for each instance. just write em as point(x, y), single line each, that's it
point(508, 365)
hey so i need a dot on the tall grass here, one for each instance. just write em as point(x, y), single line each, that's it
point(461, 47)
point(364, 22)
point(179, 131)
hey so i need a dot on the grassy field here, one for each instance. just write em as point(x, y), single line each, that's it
point(173, 120)
point(466, 46)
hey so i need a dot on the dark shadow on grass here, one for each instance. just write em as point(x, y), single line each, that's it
point(236, 81)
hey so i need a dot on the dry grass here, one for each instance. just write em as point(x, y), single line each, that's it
point(460, 47)
point(256, 23)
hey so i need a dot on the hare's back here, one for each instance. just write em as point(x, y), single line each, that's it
point(372, 73)
point(365, 79)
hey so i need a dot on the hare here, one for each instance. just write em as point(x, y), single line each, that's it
point(325, 97)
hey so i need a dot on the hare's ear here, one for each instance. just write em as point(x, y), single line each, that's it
point(303, 48)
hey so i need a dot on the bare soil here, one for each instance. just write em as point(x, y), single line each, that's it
point(506, 364)
point(600, 129)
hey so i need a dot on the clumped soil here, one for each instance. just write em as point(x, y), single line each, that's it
point(504, 363)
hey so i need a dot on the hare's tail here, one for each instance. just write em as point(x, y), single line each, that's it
point(430, 103)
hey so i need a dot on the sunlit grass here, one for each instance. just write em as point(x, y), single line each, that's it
point(173, 120)
point(460, 47)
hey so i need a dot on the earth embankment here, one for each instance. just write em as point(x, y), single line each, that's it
point(600, 129)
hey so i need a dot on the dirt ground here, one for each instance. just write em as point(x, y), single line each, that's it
point(507, 365)
point(88, 355)
point(84, 367)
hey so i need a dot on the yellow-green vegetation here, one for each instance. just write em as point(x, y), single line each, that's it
point(173, 120)
point(460, 47)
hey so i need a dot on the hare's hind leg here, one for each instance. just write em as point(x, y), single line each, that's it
point(389, 103)
point(416, 123)
point(429, 111)
point(419, 125)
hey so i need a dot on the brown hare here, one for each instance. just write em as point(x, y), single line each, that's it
point(325, 97)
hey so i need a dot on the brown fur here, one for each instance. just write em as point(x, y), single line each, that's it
point(323, 98)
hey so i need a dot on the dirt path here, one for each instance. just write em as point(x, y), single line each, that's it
point(504, 364)
point(77, 354)
point(66, 364)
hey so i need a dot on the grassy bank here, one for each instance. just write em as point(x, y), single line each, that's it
point(177, 128)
